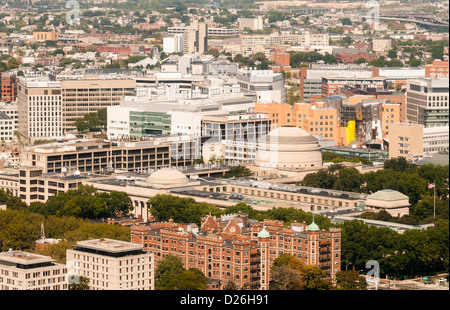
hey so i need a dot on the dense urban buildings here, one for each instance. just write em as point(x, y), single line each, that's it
point(279, 109)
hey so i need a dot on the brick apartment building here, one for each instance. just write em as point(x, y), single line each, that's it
point(437, 69)
point(237, 249)
point(8, 87)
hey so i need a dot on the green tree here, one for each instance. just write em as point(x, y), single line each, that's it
point(82, 285)
point(192, 279)
point(314, 278)
point(392, 53)
point(238, 172)
point(285, 273)
point(169, 267)
point(349, 179)
point(350, 280)
point(437, 52)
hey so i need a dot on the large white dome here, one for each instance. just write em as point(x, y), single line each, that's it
point(167, 177)
point(288, 147)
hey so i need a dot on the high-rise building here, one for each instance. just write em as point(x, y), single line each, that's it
point(48, 108)
point(196, 38)
point(238, 249)
point(113, 265)
point(427, 102)
point(311, 77)
point(39, 109)
point(173, 44)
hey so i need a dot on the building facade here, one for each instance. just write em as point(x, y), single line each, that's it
point(236, 249)
point(28, 271)
point(48, 109)
point(8, 87)
point(113, 265)
point(427, 102)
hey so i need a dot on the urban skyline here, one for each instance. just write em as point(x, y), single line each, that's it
point(224, 145)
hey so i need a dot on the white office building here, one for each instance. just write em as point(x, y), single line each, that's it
point(27, 271)
point(113, 265)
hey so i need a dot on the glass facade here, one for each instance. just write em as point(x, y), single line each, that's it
point(149, 123)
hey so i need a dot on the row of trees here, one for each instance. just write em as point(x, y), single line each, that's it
point(84, 202)
point(398, 175)
point(287, 273)
point(19, 229)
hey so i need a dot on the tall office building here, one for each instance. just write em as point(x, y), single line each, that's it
point(196, 38)
point(39, 109)
point(173, 44)
point(427, 102)
point(113, 265)
point(48, 108)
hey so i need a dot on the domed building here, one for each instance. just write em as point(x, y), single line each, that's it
point(288, 147)
point(394, 202)
point(167, 178)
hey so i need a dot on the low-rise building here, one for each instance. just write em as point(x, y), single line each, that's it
point(394, 202)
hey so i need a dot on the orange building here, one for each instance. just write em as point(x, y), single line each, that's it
point(280, 57)
point(45, 36)
point(317, 119)
point(237, 249)
point(438, 69)
point(391, 96)
point(313, 118)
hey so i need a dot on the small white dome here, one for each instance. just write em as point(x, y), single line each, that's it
point(167, 177)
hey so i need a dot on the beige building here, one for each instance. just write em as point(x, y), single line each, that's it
point(113, 265)
point(196, 38)
point(288, 147)
point(45, 36)
point(48, 109)
point(39, 109)
point(406, 140)
point(394, 202)
point(251, 23)
point(27, 271)
point(382, 45)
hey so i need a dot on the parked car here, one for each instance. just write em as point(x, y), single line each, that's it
point(428, 281)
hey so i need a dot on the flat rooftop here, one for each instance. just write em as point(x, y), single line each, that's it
point(109, 245)
point(23, 258)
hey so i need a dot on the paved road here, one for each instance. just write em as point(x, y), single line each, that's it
point(415, 284)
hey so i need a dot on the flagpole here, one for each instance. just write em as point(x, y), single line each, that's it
point(434, 205)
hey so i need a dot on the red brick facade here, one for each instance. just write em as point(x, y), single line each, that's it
point(8, 87)
point(231, 249)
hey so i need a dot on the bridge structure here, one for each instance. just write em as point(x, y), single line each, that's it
point(425, 20)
